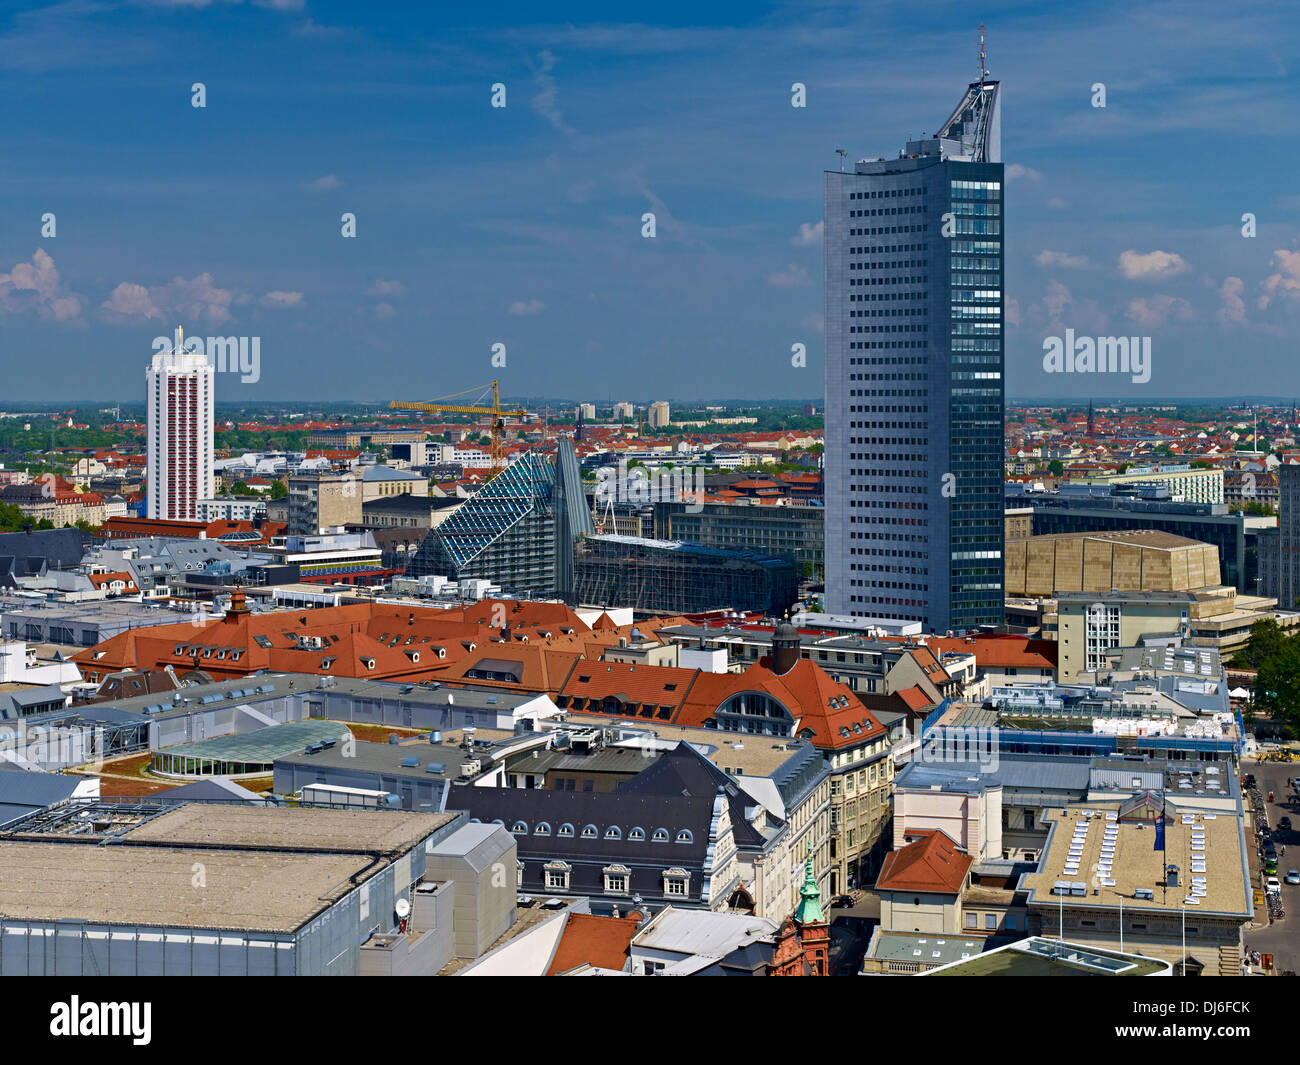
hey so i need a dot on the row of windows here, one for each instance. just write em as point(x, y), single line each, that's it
point(885, 194)
point(991, 921)
point(543, 828)
point(556, 878)
point(917, 209)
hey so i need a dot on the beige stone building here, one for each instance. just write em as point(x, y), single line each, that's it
point(1019, 522)
point(1143, 560)
point(320, 501)
point(1089, 626)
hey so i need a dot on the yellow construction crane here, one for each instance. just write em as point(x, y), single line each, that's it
point(441, 406)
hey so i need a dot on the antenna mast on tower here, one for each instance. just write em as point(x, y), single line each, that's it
point(982, 70)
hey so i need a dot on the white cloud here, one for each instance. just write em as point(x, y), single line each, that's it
point(36, 285)
point(325, 184)
point(387, 288)
point(793, 276)
point(1057, 299)
point(1285, 281)
point(1157, 310)
point(279, 300)
point(312, 28)
point(810, 233)
point(384, 311)
point(1151, 266)
point(1056, 203)
point(1234, 307)
point(1015, 172)
point(131, 301)
point(526, 307)
point(1061, 258)
point(546, 102)
point(195, 300)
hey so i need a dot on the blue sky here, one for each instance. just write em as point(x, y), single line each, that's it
point(522, 225)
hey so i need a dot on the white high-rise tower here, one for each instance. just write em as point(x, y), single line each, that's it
point(180, 456)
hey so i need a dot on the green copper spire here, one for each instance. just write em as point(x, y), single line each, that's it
point(809, 910)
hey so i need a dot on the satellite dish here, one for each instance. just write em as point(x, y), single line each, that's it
point(402, 909)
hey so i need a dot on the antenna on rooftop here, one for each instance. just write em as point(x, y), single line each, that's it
point(841, 153)
point(982, 69)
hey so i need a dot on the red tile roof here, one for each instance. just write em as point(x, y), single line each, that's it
point(640, 686)
point(915, 698)
point(602, 942)
point(1003, 650)
point(932, 864)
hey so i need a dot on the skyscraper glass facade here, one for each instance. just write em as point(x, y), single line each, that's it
point(914, 377)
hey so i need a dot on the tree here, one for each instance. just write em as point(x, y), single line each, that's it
point(1265, 641)
point(11, 518)
point(279, 490)
point(1056, 468)
point(1277, 681)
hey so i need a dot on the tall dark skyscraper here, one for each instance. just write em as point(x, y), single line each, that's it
point(914, 377)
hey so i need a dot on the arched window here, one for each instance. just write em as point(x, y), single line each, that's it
point(637, 834)
point(684, 836)
point(589, 832)
point(566, 829)
point(660, 836)
point(613, 832)
point(542, 829)
point(520, 826)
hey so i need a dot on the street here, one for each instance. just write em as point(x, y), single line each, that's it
point(1282, 938)
point(851, 928)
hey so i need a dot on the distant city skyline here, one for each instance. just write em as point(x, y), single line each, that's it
point(523, 225)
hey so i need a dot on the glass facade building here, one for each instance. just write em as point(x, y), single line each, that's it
point(517, 531)
point(914, 377)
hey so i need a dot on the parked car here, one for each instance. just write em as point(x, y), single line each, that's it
point(1273, 886)
point(1284, 825)
point(1270, 851)
point(1293, 876)
point(1270, 865)
point(842, 900)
